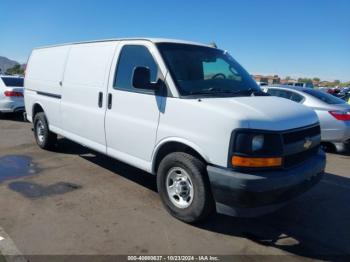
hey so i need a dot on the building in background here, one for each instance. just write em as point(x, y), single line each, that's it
point(270, 80)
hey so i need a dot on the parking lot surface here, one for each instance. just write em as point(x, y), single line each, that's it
point(73, 201)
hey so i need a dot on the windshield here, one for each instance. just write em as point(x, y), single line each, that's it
point(200, 70)
point(327, 98)
point(13, 81)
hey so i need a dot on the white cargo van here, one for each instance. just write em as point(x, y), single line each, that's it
point(185, 112)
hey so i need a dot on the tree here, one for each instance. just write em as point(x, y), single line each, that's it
point(316, 79)
point(16, 70)
point(288, 78)
point(345, 84)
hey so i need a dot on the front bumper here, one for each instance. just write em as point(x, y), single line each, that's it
point(254, 194)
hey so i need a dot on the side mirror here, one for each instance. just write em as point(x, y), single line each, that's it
point(142, 78)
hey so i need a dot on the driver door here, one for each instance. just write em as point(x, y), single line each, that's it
point(133, 114)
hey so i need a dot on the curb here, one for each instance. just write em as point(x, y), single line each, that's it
point(9, 250)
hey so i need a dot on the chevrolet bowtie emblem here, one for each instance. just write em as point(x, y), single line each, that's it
point(307, 143)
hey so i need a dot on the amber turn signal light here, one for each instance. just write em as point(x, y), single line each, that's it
point(239, 161)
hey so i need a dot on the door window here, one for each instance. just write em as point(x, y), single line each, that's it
point(296, 97)
point(133, 56)
point(286, 94)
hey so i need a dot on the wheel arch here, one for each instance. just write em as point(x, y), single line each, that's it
point(37, 108)
point(170, 145)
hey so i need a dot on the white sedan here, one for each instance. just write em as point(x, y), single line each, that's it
point(333, 113)
point(11, 94)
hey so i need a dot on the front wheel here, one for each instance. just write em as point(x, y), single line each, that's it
point(184, 187)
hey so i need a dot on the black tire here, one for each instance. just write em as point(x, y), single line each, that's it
point(202, 204)
point(46, 139)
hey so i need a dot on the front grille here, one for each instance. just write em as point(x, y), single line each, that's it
point(299, 135)
point(299, 158)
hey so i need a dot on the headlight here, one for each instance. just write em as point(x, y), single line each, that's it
point(256, 149)
point(257, 143)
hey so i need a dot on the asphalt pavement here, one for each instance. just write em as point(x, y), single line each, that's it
point(74, 201)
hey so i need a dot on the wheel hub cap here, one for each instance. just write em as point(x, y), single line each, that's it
point(179, 187)
point(40, 129)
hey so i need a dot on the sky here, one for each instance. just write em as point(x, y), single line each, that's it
point(298, 38)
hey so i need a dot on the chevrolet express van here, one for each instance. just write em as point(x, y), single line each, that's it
point(185, 112)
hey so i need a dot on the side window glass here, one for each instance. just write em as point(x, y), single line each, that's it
point(286, 94)
point(296, 97)
point(133, 56)
point(272, 92)
point(280, 93)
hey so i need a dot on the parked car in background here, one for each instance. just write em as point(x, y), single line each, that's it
point(346, 90)
point(298, 84)
point(262, 83)
point(335, 91)
point(338, 92)
point(346, 98)
point(333, 112)
point(185, 112)
point(11, 94)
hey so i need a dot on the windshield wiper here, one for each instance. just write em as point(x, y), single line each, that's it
point(251, 92)
point(212, 91)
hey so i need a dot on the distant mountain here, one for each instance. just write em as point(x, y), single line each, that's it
point(6, 63)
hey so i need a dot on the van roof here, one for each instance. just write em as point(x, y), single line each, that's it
point(154, 40)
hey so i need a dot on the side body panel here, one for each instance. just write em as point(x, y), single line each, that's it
point(199, 125)
point(43, 81)
point(85, 81)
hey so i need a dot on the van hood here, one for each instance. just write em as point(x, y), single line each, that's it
point(265, 112)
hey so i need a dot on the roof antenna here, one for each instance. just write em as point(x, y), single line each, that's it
point(213, 44)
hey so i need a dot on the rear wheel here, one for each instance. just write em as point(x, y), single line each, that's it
point(184, 187)
point(43, 136)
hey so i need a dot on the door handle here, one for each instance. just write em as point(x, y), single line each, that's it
point(110, 98)
point(100, 99)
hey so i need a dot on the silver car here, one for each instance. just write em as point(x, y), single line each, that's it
point(11, 94)
point(333, 112)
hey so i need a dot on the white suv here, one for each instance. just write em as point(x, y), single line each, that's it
point(11, 94)
point(185, 112)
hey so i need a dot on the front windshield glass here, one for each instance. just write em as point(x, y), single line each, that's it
point(206, 71)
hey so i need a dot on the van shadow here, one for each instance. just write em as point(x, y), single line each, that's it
point(316, 225)
point(65, 146)
point(16, 117)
